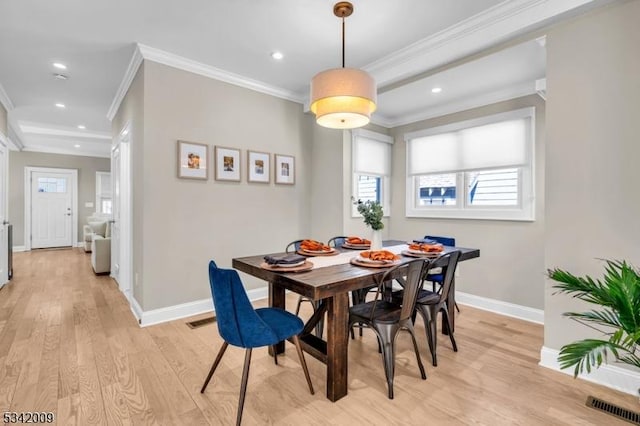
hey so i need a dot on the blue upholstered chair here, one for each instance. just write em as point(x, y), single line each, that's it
point(438, 278)
point(241, 325)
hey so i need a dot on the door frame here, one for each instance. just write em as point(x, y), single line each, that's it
point(125, 275)
point(28, 170)
point(4, 141)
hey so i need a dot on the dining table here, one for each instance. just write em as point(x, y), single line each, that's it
point(329, 283)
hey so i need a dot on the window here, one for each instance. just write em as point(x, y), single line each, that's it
point(477, 169)
point(103, 193)
point(48, 184)
point(371, 168)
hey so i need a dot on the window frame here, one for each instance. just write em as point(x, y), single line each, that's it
point(385, 183)
point(103, 193)
point(524, 211)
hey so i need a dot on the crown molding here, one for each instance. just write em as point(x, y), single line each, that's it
point(180, 62)
point(127, 79)
point(467, 103)
point(5, 100)
point(64, 151)
point(38, 129)
point(14, 139)
point(479, 32)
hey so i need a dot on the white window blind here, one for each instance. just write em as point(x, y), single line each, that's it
point(501, 144)
point(372, 157)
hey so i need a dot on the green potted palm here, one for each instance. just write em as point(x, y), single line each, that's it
point(617, 296)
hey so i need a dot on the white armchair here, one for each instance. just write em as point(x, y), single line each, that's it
point(97, 240)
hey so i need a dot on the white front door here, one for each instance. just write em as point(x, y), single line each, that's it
point(115, 222)
point(4, 250)
point(51, 209)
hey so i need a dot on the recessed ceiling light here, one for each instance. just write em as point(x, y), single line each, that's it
point(436, 90)
point(277, 55)
point(60, 66)
point(60, 76)
point(76, 146)
point(81, 126)
point(59, 105)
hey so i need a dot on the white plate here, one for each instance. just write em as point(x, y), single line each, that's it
point(318, 251)
point(426, 253)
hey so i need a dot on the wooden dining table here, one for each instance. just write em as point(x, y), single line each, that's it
point(330, 287)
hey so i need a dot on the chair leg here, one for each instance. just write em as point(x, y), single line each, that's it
point(387, 333)
point(274, 349)
point(214, 366)
point(457, 307)
point(243, 386)
point(296, 342)
point(445, 314)
point(423, 374)
point(298, 305)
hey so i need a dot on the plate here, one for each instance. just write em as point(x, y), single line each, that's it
point(415, 253)
point(289, 265)
point(356, 246)
point(360, 261)
point(317, 252)
point(427, 253)
point(306, 266)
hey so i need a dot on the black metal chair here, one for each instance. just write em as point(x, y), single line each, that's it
point(436, 278)
point(429, 303)
point(294, 246)
point(337, 241)
point(386, 318)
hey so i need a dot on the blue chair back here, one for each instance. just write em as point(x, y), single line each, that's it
point(238, 323)
point(445, 241)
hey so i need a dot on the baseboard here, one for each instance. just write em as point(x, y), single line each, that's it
point(499, 307)
point(170, 313)
point(611, 376)
point(17, 249)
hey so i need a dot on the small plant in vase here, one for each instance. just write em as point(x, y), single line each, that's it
point(372, 213)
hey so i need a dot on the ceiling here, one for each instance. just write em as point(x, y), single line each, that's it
point(409, 46)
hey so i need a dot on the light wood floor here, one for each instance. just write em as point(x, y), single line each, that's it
point(70, 345)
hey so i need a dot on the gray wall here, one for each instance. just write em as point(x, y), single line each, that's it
point(592, 172)
point(86, 166)
point(3, 120)
point(185, 223)
point(511, 266)
point(131, 113)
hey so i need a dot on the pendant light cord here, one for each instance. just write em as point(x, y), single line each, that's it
point(343, 42)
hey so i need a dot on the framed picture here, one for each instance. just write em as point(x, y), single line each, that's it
point(192, 160)
point(285, 169)
point(258, 167)
point(227, 162)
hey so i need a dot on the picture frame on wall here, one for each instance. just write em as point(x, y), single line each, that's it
point(285, 170)
point(258, 167)
point(192, 160)
point(227, 164)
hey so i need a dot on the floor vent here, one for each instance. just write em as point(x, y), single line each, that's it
point(201, 322)
point(614, 410)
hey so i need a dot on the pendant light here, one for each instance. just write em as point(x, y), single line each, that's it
point(343, 98)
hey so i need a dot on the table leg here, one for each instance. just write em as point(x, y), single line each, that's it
point(276, 300)
point(337, 341)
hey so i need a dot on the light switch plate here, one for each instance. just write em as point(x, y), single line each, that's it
point(88, 204)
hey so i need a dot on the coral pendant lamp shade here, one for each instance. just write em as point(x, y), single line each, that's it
point(343, 98)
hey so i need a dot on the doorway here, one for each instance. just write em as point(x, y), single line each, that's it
point(4, 243)
point(51, 207)
point(121, 207)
